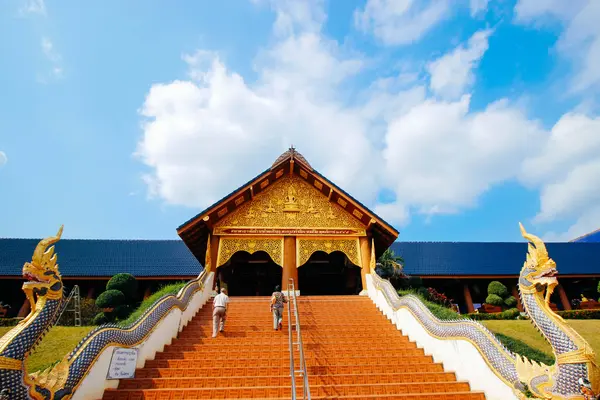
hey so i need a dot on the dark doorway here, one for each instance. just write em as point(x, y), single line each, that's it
point(329, 274)
point(250, 274)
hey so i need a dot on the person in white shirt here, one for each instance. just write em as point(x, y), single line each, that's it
point(220, 311)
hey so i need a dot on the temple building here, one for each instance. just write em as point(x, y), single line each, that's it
point(292, 222)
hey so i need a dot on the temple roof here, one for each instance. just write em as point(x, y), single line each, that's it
point(292, 154)
point(171, 258)
point(196, 230)
point(592, 237)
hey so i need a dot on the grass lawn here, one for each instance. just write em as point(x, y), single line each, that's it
point(55, 345)
point(525, 332)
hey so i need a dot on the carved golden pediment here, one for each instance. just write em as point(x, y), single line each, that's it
point(307, 247)
point(290, 203)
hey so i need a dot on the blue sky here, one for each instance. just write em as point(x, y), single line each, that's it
point(453, 120)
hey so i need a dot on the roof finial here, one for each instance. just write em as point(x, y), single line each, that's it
point(292, 149)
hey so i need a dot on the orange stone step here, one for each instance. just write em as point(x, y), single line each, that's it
point(351, 351)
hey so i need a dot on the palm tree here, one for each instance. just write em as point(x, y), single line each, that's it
point(389, 265)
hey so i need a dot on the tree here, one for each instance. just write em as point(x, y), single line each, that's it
point(389, 265)
point(117, 301)
point(498, 296)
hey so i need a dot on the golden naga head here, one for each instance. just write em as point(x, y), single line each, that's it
point(539, 269)
point(43, 268)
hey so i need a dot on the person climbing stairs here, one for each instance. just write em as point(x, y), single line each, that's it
point(352, 352)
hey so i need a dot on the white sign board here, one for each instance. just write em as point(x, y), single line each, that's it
point(122, 364)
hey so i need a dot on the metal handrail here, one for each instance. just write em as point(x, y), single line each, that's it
point(293, 301)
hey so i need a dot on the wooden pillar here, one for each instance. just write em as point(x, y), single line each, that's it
point(365, 258)
point(468, 299)
point(515, 294)
point(563, 298)
point(214, 252)
point(24, 310)
point(90, 293)
point(290, 269)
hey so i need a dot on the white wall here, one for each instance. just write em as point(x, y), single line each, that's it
point(458, 356)
point(93, 385)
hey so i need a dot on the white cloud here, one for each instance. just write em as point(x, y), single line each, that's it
point(440, 157)
point(452, 73)
point(400, 22)
point(56, 71)
point(33, 7)
point(203, 137)
point(580, 40)
point(478, 7)
point(567, 168)
point(207, 134)
point(3, 158)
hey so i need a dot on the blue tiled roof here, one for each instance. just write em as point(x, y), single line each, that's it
point(76, 257)
point(155, 258)
point(593, 237)
point(465, 258)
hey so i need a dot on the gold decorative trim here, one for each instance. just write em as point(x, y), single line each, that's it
point(10, 363)
point(303, 174)
point(222, 212)
point(342, 202)
point(307, 247)
point(285, 231)
point(239, 200)
point(290, 202)
point(357, 214)
point(228, 246)
point(318, 185)
point(264, 184)
point(279, 174)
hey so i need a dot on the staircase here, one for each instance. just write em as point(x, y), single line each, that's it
point(352, 352)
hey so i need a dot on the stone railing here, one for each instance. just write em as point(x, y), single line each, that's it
point(90, 360)
point(465, 347)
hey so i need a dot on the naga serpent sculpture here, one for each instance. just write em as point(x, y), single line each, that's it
point(44, 290)
point(574, 357)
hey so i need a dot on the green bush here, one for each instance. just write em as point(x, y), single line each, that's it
point(510, 302)
point(89, 309)
point(516, 346)
point(125, 283)
point(10, 321)
point(172, 288)
point(439, 311)
point(494, 300)
point(580, 314)
point(498, 289)
point(512, 313)
point(110, 299)
point(100, 319)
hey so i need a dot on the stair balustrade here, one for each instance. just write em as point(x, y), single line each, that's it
point(293, 303)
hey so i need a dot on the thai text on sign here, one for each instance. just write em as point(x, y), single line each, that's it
point(289, 231)
point(123, 363)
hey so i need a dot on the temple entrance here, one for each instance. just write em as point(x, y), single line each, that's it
point(249, 274)
point(329, 274)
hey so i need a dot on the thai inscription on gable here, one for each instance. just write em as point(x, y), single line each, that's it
point(291, 206)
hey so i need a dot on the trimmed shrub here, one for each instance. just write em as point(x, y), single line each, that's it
point(580, 314)
point(513, 313)
point(124, 283)
point(10, 321)
point(494, 300)
point(498, 289)
point(100, 319)
point(523, 349)
point(510, 302)
point(110, 299)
